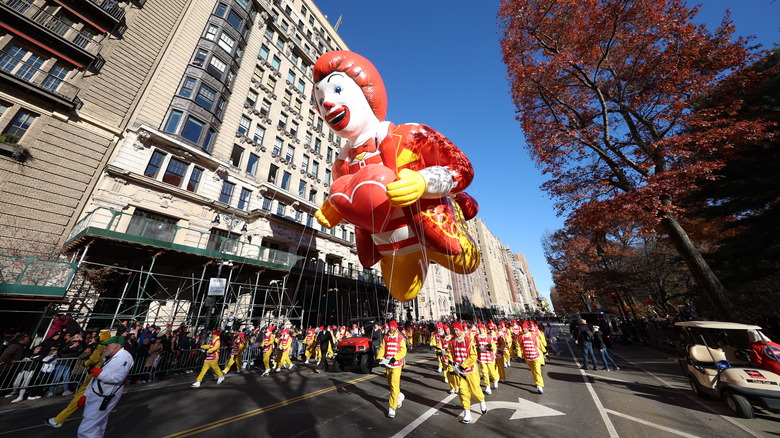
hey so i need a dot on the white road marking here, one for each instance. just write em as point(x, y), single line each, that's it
point(421, 419)
point(689, 395)
point(607, 422)
point(523, 409)
point(647, 423)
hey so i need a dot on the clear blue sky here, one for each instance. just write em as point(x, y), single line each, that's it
point(441, 64)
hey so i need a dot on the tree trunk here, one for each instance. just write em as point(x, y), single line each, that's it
point(699, 269)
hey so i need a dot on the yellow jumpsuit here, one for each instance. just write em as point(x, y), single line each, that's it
point(94, 360)
point(235, 358)
point(468, 385)
point(283, 351)
point(268, 350)
point(393, 372)
point(212, 359)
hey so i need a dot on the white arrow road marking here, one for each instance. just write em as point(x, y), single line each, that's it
point(523, 409)
point(413, 425)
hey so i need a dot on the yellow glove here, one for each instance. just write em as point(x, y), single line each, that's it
point(327, 215)
point(409, 187)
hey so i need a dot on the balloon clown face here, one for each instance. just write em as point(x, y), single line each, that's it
point(400, 186)
point(343, 105)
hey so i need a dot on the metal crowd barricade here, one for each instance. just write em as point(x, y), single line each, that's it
point(14, 377)
point(27, 375)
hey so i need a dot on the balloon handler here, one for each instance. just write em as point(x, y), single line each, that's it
point(401, 186)
point(391, 355)
point(76, 402)
point(211, 361)
point(462, 358)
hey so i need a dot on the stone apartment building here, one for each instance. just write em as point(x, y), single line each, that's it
point(161, 144)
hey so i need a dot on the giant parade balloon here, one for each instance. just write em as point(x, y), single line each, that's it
point(401, 186)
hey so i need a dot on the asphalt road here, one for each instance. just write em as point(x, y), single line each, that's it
point(648, 397)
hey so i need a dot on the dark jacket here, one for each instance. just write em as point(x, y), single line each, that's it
point(324, 339)
point(598, 340)
point(584, 335)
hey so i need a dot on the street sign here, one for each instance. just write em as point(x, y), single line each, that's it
point(217, 286)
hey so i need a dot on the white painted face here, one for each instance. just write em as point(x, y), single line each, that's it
point(343, 105)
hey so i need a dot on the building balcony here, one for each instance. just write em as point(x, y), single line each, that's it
point(108, 7)
point(23, 75)
point(49, 32)
point(136, 230)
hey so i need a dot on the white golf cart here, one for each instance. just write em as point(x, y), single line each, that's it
point(715, 357)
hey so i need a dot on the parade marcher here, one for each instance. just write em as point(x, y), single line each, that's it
point(516, 333)
point(211, 361)
point(310, 345)
point(391, 355)
point(236, 354)
point(94, 359)
point(284, 343)
point(529, 342)
point(600, 345)
point(436, 343)
point(106, 387)
point(486, 357)
point(268, 349)
point(461, 357)
point(502, 353)
point(324, 344)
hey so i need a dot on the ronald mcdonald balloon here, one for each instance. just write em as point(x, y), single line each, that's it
point(401, 186)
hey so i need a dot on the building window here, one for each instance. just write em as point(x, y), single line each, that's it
point(327, 176)
point(195, 176)
point(305, 163)
point(272, 172)
point(173, 121)
point(301, 86)
point(155, 163)
point(220, 106)
point(270, 82)
point(298, 105)
point(329, 155)
point(312, 195)
point(302, 189)
point(257, 76)
point(251, 98)
point(216, 67)
point(209, 139)
point(290, 153)
point(243, 199)
point(282, 124)
point(211, 32)
point(294, 129)
point(280, 208)
point(265, 108)
point(276, 63)
point(174, 173)
point(234, 20)
point(243, 125)
point(264, 52)
point(193, 129)
point(186, 87)
point(226, 42)
point(251, 164)
point(235, 156)
point(221, 8)
point(206, 96)
point(55, 77)
point(152, 226)
point(291, 77)
point(267, 203)
point(315, 168)
point(319, 124)
point(278, 144)
point(286, 177)
point(20, 123)
point(317, 145)
point(259, 134)
point(287, 100)
point(200, 58)
point(227, 192)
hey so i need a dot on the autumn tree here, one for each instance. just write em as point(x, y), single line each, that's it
point(607, 92)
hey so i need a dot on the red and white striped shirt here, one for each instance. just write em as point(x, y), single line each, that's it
point(487, 356)
point(529, 346)
point(392, 347)
point(460, 350)
point(213, 351)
